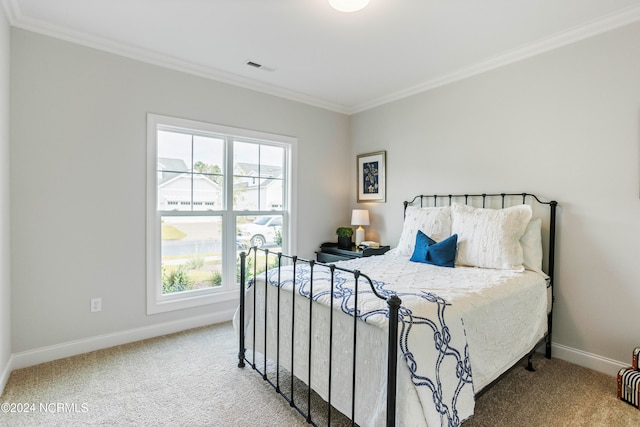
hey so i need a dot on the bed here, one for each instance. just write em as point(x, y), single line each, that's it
point(410, 337)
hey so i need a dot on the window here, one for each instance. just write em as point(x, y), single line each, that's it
point(212, 191)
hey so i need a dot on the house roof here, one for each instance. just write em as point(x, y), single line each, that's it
point(264, 171)
point(171, 168)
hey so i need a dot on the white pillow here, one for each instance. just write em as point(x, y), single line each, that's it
point(490, 238)
point(435, 222)
point(531, 242)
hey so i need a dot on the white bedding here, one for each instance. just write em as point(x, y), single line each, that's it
point(503, 314)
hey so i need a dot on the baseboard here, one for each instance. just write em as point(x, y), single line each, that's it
point(4, 377)
point(73, 348)
point(587, 360)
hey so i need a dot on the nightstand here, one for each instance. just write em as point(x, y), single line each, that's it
point(329, 252)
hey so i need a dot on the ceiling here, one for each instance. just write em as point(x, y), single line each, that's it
point(345, 62)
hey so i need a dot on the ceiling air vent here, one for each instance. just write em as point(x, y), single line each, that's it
point(259, 66)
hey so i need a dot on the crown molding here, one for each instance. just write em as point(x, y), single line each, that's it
point(11, 10)
point(165, 61)
point(590, 29)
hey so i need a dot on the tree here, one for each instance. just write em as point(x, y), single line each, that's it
point(213, 172)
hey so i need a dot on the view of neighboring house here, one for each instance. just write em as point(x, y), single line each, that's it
point(257, 182)
point(179, 187)
point(255, 187)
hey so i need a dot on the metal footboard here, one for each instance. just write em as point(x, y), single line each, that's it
point(393, 303)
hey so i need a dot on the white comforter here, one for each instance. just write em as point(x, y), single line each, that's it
point(460, 329)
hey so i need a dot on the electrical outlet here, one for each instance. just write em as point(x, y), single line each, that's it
point(96, 304)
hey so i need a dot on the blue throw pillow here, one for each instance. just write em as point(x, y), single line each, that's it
point(429, 251)
point(443, 253)
point(422, 244)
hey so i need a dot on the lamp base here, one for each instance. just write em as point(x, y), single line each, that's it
point(359, 235)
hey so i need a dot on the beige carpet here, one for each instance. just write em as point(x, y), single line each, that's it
point(191, 379)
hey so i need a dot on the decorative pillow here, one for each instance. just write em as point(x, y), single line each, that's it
point(531, 242)
point(429, 251)
point(433, 221)
point(490, 238)
point(420, 250)
point(443, 253)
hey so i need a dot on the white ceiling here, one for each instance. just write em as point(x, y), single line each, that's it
point(345, 62)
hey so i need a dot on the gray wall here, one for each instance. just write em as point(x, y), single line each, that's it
point(5, 288)
point(563, 125)
point(78, 147)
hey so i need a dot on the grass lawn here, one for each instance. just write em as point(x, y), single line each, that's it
point(169, 232)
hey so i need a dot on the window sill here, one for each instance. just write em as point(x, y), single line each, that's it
point(174, 302)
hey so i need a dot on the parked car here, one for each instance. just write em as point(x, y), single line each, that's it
point(263, 230)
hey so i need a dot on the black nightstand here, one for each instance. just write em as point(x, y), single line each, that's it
point(329, 252)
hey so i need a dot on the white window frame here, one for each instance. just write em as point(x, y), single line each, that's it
point(229, 291)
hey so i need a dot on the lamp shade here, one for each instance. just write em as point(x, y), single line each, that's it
point(360, 217)
point(348, 5)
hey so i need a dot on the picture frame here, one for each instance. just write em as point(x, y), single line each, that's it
point(371, 173)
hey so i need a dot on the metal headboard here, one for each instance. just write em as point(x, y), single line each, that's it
point(500, 201)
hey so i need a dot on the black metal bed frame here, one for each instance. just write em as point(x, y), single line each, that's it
point(393, 303)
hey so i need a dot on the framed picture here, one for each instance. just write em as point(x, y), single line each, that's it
point(372, 184)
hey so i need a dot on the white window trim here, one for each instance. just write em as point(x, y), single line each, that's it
point(158, 303)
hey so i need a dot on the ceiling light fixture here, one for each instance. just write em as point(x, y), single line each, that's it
point(348, 5)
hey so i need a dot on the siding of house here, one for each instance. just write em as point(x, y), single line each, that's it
point(78, 149)
point(5, 277)
point(564, 125)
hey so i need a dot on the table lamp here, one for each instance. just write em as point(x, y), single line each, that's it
point(359, 217)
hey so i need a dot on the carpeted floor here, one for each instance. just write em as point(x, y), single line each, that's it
point(191, 379)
